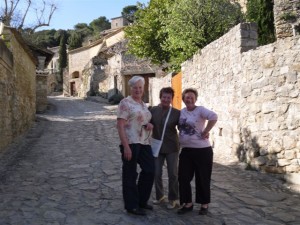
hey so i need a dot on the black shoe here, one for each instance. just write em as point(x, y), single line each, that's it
point(149, 207)
point(184, 210)
point(139, 212)
point(203, 211)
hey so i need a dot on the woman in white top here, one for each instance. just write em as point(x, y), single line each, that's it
point(134, 129)
point(196, 157)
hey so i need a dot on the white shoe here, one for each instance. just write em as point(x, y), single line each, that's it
point(159, 201)
point(173, 204)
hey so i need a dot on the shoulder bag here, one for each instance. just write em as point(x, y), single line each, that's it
point(155, 143)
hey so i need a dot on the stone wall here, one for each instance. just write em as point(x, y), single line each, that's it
point(255, 92)
point(41, 92)
point(17, 89)
point(155, 84)
point(287, 18)
point(52, 83)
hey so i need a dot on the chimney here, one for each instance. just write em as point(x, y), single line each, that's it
point(41, 62)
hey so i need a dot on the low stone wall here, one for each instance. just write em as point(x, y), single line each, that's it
point(17, 90)
point(256, 95)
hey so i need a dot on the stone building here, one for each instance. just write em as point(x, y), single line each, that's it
point(17, 86)
point(103, 68)
point(54, 80)
point(118, 22)
point(23, 84)
point(44, 57)
point(80, 61)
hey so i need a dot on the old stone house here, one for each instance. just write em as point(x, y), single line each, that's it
point(54, 80)
point(17, 85)
point(80, 61)
point(103, 67)
point(44, 57)
point(119, 22)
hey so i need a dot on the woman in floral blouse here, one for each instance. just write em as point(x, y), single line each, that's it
point(134, 129)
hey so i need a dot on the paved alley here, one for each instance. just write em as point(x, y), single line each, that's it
point(67, 171)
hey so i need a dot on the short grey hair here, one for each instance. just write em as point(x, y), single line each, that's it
point(136, 79)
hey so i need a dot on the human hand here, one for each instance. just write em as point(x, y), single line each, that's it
point(148, 126)
point(127, 154)
point(205, 135)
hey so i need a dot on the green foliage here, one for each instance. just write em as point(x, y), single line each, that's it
point(62, 61)
point(291, 16)
point(148, 34)
point(84, 29)
point(128, 12)
point(194, 24)
point(62, 53)
point(261, 12)
point(172, 31)
point(43, 39)
point(76, 36)
point(99, 25)
point(75, 40)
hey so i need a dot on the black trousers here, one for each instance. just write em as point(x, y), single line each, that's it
point(195, 162)
point(137, 187)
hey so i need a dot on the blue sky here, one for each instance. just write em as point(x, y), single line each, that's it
point(71, 12)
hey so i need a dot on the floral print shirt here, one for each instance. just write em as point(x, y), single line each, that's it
point(136, 115)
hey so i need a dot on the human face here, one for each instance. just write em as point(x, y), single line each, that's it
point(190, 100)
point(165, 100)
point(137, 90)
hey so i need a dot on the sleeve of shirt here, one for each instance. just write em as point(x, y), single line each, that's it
point(123, 110)
point(208, 114)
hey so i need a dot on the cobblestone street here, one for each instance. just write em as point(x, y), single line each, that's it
point(67, 171)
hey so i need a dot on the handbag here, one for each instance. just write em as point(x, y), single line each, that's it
point(155, 143)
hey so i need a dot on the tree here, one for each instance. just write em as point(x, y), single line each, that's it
point(193, 24)
point(171, 31)
point(147, 34)
point(62, 53)
point(15, 12)
point(75, 40)
point(261, 12)
point(99, 25)
point(128, 12)
point(43, 39)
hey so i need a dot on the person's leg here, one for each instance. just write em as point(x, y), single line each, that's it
point(172, 167)
point(185, 176)
point(204, 162)
point(146, 178)
point(159, 189)
point(129, 176)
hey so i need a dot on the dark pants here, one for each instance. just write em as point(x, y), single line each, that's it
point(198, 162)
point(137, 193)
